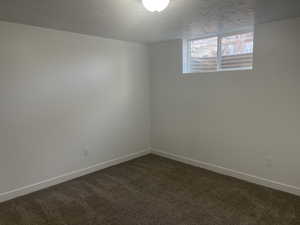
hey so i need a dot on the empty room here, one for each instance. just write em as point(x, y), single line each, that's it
point(149, 112)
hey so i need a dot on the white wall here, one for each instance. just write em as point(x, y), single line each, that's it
point(247, 121)
point(61, 93)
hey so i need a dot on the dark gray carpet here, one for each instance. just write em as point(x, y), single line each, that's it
point(153, 191)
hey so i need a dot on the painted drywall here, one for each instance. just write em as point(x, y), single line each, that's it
point(247, 121)
point(67, 102)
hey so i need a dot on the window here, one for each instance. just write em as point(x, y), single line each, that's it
point(203, 54)
point(219, 53)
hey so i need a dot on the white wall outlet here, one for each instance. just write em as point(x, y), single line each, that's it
point(269, 161)
point(86, 152)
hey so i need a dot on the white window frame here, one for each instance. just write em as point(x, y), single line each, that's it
point(187, 47)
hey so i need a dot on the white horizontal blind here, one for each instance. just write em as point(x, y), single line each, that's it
point(203, 55)
point(241, 61)
point(237, 52)
point(234, 52)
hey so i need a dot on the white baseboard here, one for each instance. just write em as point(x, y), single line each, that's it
point(68, 176)
point(78, 173)
point(229, 172)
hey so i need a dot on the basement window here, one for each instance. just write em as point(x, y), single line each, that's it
point(219, 53)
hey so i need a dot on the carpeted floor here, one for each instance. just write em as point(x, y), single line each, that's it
point(153, 191)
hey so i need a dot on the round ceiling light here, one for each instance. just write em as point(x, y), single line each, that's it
point(156, 5)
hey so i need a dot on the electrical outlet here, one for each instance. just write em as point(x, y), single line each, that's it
point(269, 162)
point(86, 152)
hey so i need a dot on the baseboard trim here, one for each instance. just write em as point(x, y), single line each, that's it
point(230, 172)
point(69, 176)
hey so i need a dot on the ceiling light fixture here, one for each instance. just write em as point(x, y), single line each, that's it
point(156, 5)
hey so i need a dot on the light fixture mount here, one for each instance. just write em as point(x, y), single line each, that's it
point(156, 5)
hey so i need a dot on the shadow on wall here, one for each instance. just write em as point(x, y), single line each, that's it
point(272, 10)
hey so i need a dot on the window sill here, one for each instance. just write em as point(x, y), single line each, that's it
point(229, 71)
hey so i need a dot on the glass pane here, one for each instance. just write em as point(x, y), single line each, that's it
point(204, 48)
point(237, 44)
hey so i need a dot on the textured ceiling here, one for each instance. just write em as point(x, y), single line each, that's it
point(128, 20)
